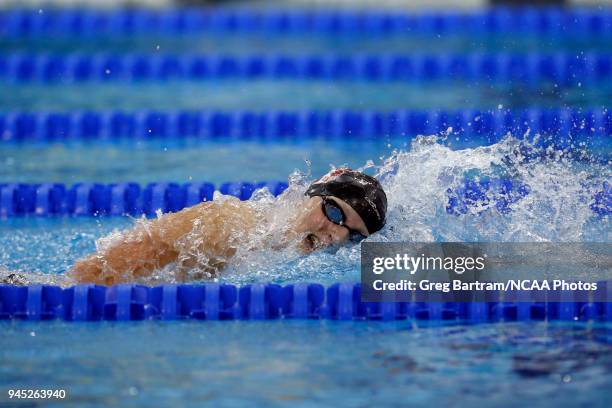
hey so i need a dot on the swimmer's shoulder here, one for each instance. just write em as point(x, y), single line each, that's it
point(227, 208)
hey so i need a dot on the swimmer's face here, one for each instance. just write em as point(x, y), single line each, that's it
point(319, 232)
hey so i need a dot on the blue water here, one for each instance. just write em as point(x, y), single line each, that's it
point(311, 363)
point(51, 246)
point(304, 43)
point(294, 95)
point(183, 161)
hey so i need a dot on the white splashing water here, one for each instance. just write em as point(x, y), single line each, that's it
point(556, 208)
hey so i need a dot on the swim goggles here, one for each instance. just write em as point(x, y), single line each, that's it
point(335, 214)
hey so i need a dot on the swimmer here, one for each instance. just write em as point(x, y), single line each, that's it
point(198, 242)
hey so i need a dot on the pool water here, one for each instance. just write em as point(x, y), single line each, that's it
point(298, 363)
point(304, 43)
point(183, 161)
point(294, 95)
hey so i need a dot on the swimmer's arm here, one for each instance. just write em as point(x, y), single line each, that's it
point(139, 257)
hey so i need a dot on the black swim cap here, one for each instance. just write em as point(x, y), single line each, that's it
point(362, 192)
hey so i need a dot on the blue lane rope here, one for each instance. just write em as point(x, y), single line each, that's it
point(94, 199)
point(79, 23)
point(589, 128)
point(562, 68)
point(341, 301)
point(87, 199)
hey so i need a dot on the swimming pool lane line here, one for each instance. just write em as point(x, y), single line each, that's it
point(341, 301)
point(87, 23)
point(125, 198)
point(558, 127)
point(560, 68)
